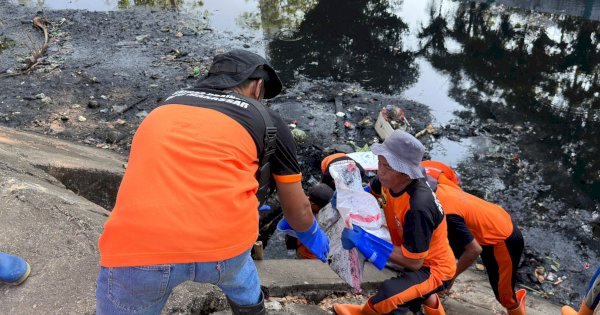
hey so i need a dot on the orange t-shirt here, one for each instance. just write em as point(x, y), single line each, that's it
point(188, 194)
point(410, 218)
point(489, 223)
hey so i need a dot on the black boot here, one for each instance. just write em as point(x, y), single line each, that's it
point(256, 309)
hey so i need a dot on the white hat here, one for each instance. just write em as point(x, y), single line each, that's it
point(403, 152)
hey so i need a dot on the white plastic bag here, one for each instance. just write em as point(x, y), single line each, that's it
point(354, 206)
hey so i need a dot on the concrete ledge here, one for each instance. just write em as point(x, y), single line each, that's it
point(471, 294)
point(281, 277)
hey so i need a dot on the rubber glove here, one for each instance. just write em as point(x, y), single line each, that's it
point(376, 250)
point(333, 200)
point(314, 238)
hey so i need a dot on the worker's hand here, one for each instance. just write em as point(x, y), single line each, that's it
point(314, 238)
point(448, 287)
point(375, 249)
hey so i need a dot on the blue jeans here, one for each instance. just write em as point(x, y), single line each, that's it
point(145, 289)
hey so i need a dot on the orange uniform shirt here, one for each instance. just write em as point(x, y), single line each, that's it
point(188, 194)
point(410, 218)
point(489, 223)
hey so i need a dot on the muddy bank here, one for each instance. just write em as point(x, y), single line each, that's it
point(104, 71)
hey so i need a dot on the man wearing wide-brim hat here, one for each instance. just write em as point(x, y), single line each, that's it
point(186, 209)
point(418, 230)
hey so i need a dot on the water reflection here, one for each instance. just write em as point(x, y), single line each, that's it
point(519, 66)
point(280, 15)
point(589, 9)
point(361, 43)
point(513, 65)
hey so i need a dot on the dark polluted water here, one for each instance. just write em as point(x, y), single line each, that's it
point(530, 67)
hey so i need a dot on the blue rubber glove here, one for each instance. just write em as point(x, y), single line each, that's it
point(314, 238)
point(375, 249)
point(333, 200)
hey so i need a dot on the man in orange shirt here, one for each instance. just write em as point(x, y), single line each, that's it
point(418, 229)
point(187, 206)
point(477, 227)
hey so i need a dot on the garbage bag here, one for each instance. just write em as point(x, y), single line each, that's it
point(353, 206)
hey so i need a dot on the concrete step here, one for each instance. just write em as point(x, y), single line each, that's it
point(471, 293)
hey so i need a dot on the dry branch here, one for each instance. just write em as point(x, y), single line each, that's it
point(33, 60)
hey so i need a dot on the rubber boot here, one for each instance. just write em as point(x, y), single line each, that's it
point(583, 310)
point(438, 310)
point(256, 309)
point(13, 270)
point(353, 309)
point(519, 310)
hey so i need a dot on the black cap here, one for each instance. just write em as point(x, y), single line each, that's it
point(234, 67)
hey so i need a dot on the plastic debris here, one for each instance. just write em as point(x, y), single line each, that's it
point(389, 119)
point(299, 135)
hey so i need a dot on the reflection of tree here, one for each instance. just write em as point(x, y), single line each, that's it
point(277, 15)
point(509, 59)
point(124, 4)
point(436, 32)
point(249, 20)
point(349, 40)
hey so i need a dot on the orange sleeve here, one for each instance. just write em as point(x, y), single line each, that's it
point(286, 179)
point(410, 255)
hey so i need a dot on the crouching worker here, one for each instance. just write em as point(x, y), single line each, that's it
point(186, 208)
point(418, 231)
point(590, 301)
point(13, 269)
point(477, 227)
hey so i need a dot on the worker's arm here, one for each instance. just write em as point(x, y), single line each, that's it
point(399, 258)
point(472, 251)
point(295, 205)
point(463, 245)
point(462, 241)
point(299, 221)
point(376, 250)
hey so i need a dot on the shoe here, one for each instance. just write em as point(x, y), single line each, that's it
point(519, 310)
point(13, 270)
point(439, 310)
point(353, 309)
point(256, 309)
point(567, 310)
point(583, 310)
